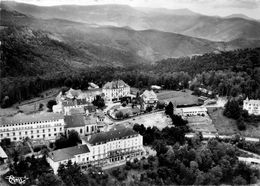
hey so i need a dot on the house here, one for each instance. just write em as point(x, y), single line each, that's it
point(191, 111)
point(116, 145)
point(252, 106)
point(35, 126)
point(115, 90)
point(79, 154)
point(149, 99)
point(3, 156)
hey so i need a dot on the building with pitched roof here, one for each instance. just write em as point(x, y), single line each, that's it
point(3, 156)
point(115, 89)
point(116, 145)
point(149, 99)
point(252, 106)
point(79, 154)
point(83, 124)
point(36, 126)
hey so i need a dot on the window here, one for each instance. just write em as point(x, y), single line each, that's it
point(61, 129)
point(7, 134)
point(81, 131)
point(20, 133)
point(43, 135)
point(54, 129)
point(13, 133)
point(49, 134)
point(31, 131)
point(32, 137)
point(49, 130)
point(26, 132)
point(43, 130)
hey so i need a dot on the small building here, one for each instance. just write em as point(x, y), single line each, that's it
point(156, 87)
point(3, 156)
point(149, 99)
point(79, 154)
point(191, 111)
point(252, 106)
point(115, 89)
point(92, 86)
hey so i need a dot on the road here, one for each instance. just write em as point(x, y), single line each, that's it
point(190, 135)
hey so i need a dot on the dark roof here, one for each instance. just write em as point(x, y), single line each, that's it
point(74, 121)
point(82, 102)
point(90, 108)
point(68, 103)
point(68, 153)
point(112, 134)
point(23, 118)
point(115, 84)
point(90, 120)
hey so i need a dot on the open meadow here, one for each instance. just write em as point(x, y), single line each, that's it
point(227, 126)
point(177, 97)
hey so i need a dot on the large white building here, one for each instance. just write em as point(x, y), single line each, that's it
point(252, 106)
point(149, 98)
point(37, 126)
point(79, 154)
point(115, 89)
point(116, 145)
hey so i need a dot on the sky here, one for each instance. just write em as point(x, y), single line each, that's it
point(250, 8)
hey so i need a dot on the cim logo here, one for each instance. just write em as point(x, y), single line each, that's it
point(14, 180)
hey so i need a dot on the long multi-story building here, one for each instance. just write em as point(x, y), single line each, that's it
point(252, 106)
point(116, 145)
point(115, 90)
point(37, 126)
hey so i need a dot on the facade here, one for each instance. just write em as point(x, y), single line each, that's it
point(191, 111)
point(116, 145)
point(149, 99)
point(79, 154)
point(115, 89)
point(252, 106)
point(84, 125)
point(37, 126)
point(101, 149)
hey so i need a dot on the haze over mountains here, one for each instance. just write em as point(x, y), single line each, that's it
point(182, 21)
point(43, 40)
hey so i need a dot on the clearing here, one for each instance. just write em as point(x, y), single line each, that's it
point(227, 126)
point(177, 97)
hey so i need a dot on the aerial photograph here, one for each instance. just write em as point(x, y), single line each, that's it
point(129, 92)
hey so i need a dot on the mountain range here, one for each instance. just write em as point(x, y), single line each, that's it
point(181, 21)
point(39, 40)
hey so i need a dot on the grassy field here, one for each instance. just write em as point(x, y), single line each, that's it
point(227, 126)
point(32, 105)
point(177, 97)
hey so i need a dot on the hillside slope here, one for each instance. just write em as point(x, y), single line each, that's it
point(176, 21)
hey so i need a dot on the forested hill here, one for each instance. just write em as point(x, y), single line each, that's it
point(239, 60)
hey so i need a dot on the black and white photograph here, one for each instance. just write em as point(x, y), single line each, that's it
point(129, 92)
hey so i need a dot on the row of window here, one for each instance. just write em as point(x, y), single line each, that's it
point(29, 127)
point(26, 132)
point(35, 137)
point(28, 123)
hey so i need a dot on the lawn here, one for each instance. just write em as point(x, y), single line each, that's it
point(177, 97)
point(32, 105)
point(227, 126)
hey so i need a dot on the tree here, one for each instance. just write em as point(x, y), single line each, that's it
point(50, 104)
point(232, 109)
point(239, 180)
point(119, 115)
point(40, 107)
point(99, 101)
point(49, 179)
point(169, 109)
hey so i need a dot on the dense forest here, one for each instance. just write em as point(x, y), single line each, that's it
point(227, 73)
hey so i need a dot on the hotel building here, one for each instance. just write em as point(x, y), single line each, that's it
point(115, 90)
point(37, 126)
